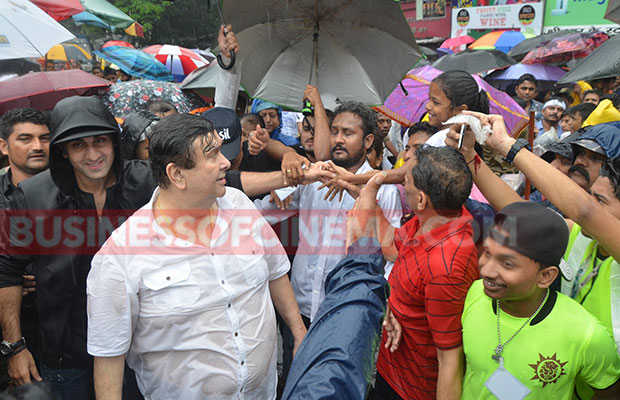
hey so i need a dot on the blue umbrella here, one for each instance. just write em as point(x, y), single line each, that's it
point(91, 19)
point(136, 63)
point(540, 71)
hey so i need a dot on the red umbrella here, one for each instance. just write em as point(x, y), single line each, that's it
point(117, 43)
point(179, 60)
point(60, 9)
point(42, 90)
point(565, 48)
point(456, 42)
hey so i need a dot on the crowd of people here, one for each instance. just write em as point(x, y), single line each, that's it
point(139, 261)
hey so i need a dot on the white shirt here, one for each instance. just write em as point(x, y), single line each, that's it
point(196, 322)
point(322, 235)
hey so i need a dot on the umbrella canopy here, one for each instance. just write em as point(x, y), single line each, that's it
point(547, 75)
point(203, 80)
point(566, 48)
point(117, 43)
point(407, 109)
point(106, 11)
point(604, 62)
point(499, 40)
point(124, 98)
point(474, 61)
point(613, 11)
point(179, 60)
point(27, 31)
point(60, 9)
point(333, 45)
point(520, 50)
point(42, 90)
point(457, 41)
point(68, 51)
point(135, 62)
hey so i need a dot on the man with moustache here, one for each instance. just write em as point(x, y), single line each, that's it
point(551, 114)
point(322, 225)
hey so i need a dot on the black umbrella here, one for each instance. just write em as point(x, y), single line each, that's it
point(603, 62)
point(520, 50)
point(474, 61)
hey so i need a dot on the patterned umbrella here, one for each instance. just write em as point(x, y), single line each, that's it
point(407, 109)
point(135, 62)
point(179, 60)
point(520, 50)
point(500, 40)
point(566, 48)
point(124, 98)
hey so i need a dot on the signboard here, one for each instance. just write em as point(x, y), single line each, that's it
point(485, 3)
point(526, 17)
point(430, 9)
point(427, 28)
point(580, 15)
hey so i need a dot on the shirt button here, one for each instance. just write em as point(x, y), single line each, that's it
point(236, 333)
point(242, 362)
point(223, 281)
point(167, 278)
point(228, 305)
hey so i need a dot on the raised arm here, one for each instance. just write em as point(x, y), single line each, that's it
point(321, 129)
point(228, 81)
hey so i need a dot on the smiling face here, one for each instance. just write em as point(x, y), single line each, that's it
point(91, 157)
point(27, 147)
point(439, 106)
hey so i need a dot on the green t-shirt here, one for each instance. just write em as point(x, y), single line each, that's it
point(547, 356)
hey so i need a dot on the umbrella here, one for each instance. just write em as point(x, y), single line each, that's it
point(117, 43)
point(474, 61)
point(135, 62)
point(407, 109)
point(565, 48)
point(457, 41)
point(124, 98)
point(203, 80)
point(179, 60)
point(613, 11)
point(547, 75)
point(68, 51)
point(42, 90)
point(500, 40)
point(27, 31)
point(520, 50)
point(603, 62)
point(18, 66)
point(335, 46)
point(60, 9)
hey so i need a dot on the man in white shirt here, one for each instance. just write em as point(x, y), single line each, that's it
point(184, 288)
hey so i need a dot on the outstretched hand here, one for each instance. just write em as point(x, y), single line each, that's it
point(362, 221)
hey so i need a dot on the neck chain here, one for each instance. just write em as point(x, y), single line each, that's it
point(500, 347)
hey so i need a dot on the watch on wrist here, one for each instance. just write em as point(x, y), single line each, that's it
point(10, 349)
point(516, 147)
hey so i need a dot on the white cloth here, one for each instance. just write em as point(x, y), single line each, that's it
point(438, 139)
point(195, 322)
point(289, 123)
point(322, 235)
point(227, 86)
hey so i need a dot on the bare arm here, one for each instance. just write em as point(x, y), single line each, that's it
point(108, 375)
point(284, 301)
point(390, 146)
point(257, 183)
point(321, 130)
point(451, 371)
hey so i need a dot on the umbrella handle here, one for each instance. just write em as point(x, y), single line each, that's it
point(220, 61)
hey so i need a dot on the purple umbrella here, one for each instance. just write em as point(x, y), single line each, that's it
point(407, 109)
point(540, 71)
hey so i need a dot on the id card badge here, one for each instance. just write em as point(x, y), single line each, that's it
point(504, 386)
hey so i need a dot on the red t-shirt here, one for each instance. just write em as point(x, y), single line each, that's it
point(428, 283)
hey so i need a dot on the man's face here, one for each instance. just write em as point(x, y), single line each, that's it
point(416, 140)
point(603, 192)
point(347, 142)
point(375, 160)
point(91, 158)
point(552, 114)
point(208, 177)
point(565, 123)
point(111, 77)
point(506, 274)
point(562, 163)
point(412, 193)
point(575, 121)
point(587, 164)
point(97, 72)
point(384, 124)
point(526, 91)
point(272, 121)
point(592, 98)
point(27, 147)
point(306, 135)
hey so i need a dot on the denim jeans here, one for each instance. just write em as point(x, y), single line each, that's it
point(69, 383)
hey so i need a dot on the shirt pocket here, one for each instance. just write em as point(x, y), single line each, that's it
point(254, 267)
point(172, 287)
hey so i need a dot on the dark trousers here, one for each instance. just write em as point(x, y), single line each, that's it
point(383, 390)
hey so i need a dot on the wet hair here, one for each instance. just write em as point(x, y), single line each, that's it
point(368, 116)
point(442, 173)
point(527, 78)
point(461, 88)
point(159, 106)
point(611, 170)
point(172, 141)
point(254, 119)
point(21, 115)
point(583, 109)
point(422, 127)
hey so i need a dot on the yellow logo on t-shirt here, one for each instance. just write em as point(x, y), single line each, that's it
point(548, 369)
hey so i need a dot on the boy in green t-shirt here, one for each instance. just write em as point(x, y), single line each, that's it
point(519, 337)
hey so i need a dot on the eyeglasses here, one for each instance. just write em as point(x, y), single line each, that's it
point(306, 125)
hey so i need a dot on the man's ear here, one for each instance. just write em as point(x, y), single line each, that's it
point(423, 201)
point(175, 175)
point(368, 140)
point(547, 276)
point(4, 147)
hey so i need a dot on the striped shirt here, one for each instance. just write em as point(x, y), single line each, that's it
point(429, 283)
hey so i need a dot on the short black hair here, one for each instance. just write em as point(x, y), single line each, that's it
point(21, 115)
point(377, 145)
point(527, 78)
point(591, 91)
point(442, 173)
point(368, 116)
point(254, 119)
point(611, 170)
point(159, 106)
point(422, 127)
point(109, 71)
point(583, 109)
point(172, 141)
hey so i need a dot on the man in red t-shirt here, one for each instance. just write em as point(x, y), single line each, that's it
point(435, 264)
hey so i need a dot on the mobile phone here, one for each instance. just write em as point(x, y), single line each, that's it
point(461, 136)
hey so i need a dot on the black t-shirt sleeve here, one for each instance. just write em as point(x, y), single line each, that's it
point(233, 179)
